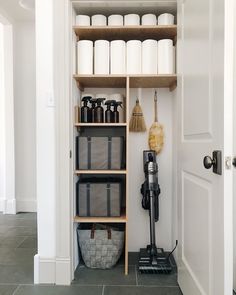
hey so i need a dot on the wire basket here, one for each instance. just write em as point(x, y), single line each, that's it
point(101, 246)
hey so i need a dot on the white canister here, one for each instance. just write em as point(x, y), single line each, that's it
point(149, 19)
point(134, 57)
point(101, 57)
point(82, 20)
point(165, 57)
point(165, 19)
point(115, 20)
point(99, 20)
point(132, 20)
point(118, 57)
point(85, 57)
point(149, 57)
point(119, 97)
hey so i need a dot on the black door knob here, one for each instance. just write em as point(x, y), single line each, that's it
point(234, 162)
point(208, 162)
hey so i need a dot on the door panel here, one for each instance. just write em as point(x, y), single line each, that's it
point(196, 66)
point(196, 229)
point(201, 104)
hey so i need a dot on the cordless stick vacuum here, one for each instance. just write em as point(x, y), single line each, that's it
point(152, 259)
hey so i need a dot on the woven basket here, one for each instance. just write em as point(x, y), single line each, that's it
point(100, 248)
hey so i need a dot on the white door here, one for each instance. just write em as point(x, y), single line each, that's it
point(205, 116)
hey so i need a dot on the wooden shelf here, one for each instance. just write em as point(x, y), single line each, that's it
point(100, 124)
point(126, 32)
point(120, 219)
point(153, 81)
point(100, 81)
point(119, 81)
point(100, 171)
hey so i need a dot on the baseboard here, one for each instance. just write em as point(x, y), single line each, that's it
point(9, 206)
point(63, 271)
point(26, 206)
point(44, 270)
point(2, 205)
point(52, 271)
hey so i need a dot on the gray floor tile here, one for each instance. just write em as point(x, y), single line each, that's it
point(29, 242)
point(165, 280)
point(7, 220)
point(17, 274)
point(11, 242)
point(23, 231)
point(114, 276)
point(59, 290)
point(18, 256)
point(127, 290)
point(7, 289)
point(4, 229)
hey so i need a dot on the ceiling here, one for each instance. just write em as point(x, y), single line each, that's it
point(15, 11)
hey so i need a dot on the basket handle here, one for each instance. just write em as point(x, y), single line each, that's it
point(102, 226)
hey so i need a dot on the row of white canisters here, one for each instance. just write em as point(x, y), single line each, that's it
point(120, 57)
point(127, 20)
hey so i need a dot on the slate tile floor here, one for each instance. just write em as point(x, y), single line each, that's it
point(18, 243)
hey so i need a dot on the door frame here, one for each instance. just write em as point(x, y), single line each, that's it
point(7, 156)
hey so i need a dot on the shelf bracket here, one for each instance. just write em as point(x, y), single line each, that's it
point(173, 86)
point(80, 86)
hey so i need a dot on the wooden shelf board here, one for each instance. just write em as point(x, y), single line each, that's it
point(120, 219)
point(100, 124)
point(126, 32)
point(136, 81)
point(100, 171)
point(153, 81)
point(101, 81)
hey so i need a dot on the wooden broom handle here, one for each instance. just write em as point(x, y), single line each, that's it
point(155, 107)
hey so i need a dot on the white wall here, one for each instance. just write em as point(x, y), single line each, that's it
point(25, 115)
point(138, 217)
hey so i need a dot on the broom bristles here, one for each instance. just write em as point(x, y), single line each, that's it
point(137, 122)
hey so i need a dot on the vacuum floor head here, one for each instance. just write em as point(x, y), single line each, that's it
point(159, 264)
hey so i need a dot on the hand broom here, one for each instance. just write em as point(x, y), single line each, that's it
point(137, 122)
point(156, 134)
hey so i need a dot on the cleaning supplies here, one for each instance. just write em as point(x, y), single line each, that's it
point(93, 102)
point(99, 112)
point(85, 110)
point(116, 112)
point(137, 123)
point(156, 134)
point(109, 114)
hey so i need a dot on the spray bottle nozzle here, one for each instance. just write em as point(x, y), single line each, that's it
point(93, 101)
point(110, 102)
point(118, 104)
point(100, 100)
point(86, 98)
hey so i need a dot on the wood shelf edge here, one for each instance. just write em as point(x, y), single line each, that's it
point(121, 219)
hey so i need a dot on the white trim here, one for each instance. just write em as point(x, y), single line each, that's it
point(64, 221)
point(9, 206)
point(2, 203)
point(63, 271)
point(52, 270)
point(26, 205)
point(44, 270)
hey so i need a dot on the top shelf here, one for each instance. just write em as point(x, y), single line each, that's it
point(126, 32)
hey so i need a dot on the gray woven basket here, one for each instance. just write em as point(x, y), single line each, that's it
point(100, 248)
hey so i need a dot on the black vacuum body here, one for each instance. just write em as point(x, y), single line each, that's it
point(151, 258)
